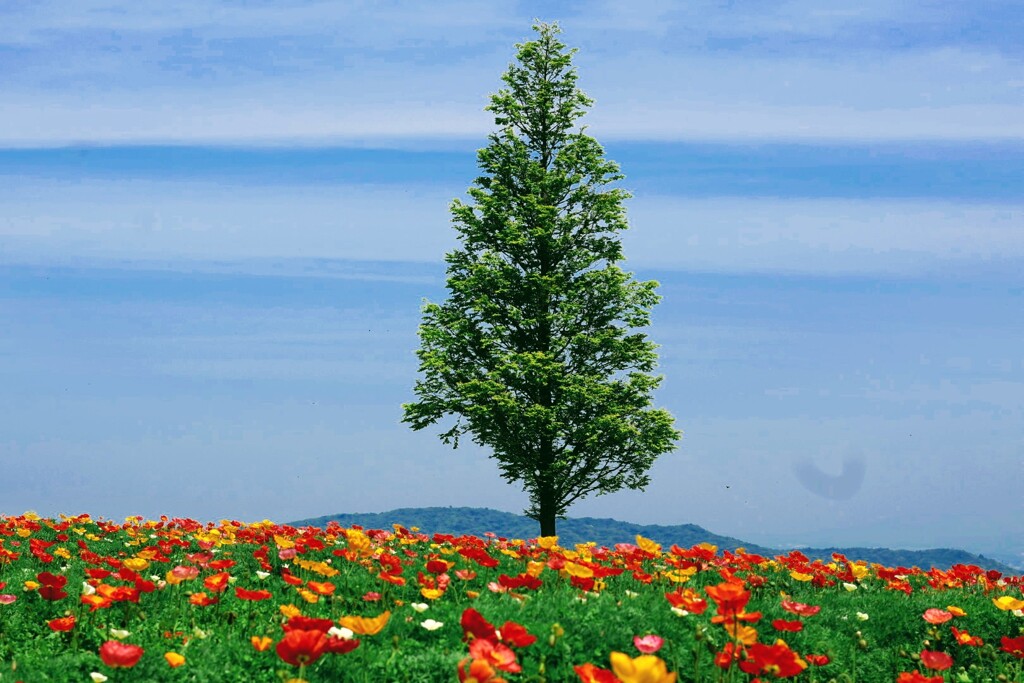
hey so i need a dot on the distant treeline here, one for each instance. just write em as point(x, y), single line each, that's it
point(608, 532)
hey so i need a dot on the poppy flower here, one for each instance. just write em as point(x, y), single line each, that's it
point(1015, 646)
point(62, 624)
point(366, 626)
point(303, 623)
point(322, 587)
point(589, 673)
point(776, 659)
point(936, 616)
point(965, 638)
point(255, 596)
point(95, 602)
point(689, 600)
point(800, 608)
point(261, 644)
point(217, 582)
point(740, 633)
point(116, 654)
point(499, 655)
point(648, 644)
point(174, 659)
point(473, 623)
point(817, 660)
point(730, 599)
point(917, 677)
point(786, 625)
point(477, 671)
point(937, 661)
point(300, 648)
point(516, 635)
point(52, 586)
point(643, 669)
point(197, 599)
point(1008, 603)
point(339, 646)
point(7, 599)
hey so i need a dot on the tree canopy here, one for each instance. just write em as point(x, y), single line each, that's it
point(539, 352)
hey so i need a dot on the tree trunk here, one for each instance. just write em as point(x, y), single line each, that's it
point(547, 513)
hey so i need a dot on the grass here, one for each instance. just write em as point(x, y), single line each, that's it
point(141, 583)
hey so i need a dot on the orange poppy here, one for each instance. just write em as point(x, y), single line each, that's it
point(366, 626)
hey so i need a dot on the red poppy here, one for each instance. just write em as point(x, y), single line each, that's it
point(473, 623)
point(1015, 646)
point(62, 624)
point(916, 677)
point(584, 583)
point(784, 625)
point(465, 574)
point(729, 654)
point(303, 623)
point(516, 635)
point(114, 653)
point(589, 673)
point(776, 659)
point(937, 661)
point(339, 646)
point(437, 566)
point(965, 638)
point(817, 660)
point(800, 608)
point(52, 586)
point(300, 648)
point(255, 596)
point(291, 579)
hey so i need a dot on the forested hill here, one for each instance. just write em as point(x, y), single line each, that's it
point(608, 532)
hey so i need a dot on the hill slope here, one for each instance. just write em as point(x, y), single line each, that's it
point(608, 532)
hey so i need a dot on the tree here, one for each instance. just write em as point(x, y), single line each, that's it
point(536, 352)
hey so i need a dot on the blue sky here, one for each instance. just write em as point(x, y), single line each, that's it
point(218, 222)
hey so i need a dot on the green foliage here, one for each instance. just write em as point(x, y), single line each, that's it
point(537, 351)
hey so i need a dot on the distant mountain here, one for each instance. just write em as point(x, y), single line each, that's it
point(608, 532)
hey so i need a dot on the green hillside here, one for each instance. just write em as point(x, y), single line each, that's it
point(608, 532)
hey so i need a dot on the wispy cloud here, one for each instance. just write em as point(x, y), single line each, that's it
point(183, 221)
point(194, 71)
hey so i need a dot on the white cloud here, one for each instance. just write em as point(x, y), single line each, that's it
point(169, 221)
point(193, 72)
point(820, 235)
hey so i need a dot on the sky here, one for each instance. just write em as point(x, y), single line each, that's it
point(219, 221)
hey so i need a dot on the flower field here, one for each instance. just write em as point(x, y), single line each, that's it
point(85, 599)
